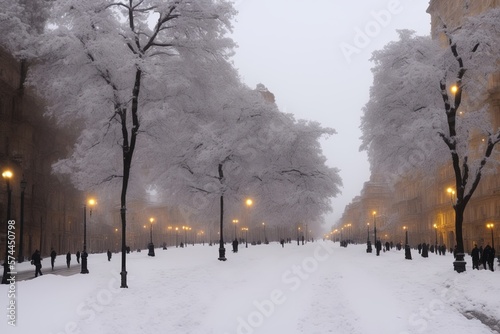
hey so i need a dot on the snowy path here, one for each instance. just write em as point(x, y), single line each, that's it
point(318, 288)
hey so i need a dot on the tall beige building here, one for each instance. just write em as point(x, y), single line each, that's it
point(425, 207)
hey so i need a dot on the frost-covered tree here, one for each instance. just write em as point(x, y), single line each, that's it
point(428, 107)
point(21, 22)
point(229, 144)
point(109, 67)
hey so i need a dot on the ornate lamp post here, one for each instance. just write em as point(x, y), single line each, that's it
point(436, 240)
point(490, 226)
point(235, 221)
point(7, 175)
point(176, 237)
point(374, 226)
point(407, 246)
point(151, 246)
point(20, 257)
point(298, 235)
point(265, 237)
point(368, 243)
point(185, 228)
point(91, 203)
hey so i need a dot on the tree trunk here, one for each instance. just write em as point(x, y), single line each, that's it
point(128, 152)
point(459, 263)
point(222, 250)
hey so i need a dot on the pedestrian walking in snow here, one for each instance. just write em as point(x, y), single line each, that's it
point(475, 258)
point(68, 259)
point(53, 255)
point(36, 260)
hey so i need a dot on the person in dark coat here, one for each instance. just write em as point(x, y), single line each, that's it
point(78, 257)
point(425, 250)
point(68, 259)
point(475, 258)
point(53, 255)
point(486, 255)
point(491, 259)
point(378, 247)
point(282, 243)
point(235, 246)
point(36, 259)
point(109, 255)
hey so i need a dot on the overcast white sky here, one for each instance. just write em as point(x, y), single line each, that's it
point(314, 56)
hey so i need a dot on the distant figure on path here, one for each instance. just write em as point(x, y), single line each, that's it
point(78, 257)
point(235, 246)
point(36, 259)
point(282, 243)
point(475, 258)
point(68, 259)
point(378, 247)
point(53, 255)
point(109, 255)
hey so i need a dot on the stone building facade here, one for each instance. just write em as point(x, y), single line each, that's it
point(29, 144)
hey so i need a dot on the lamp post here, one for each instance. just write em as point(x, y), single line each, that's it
point(151, 246)
point(20, 257)
point(246, 236)
point(7, 175)
point(185, 228)
point(92, 202)
point(249, 204)
point(84, 269)
point(368, 243)
point(298, 235)
point(349, 233)
point(436, 240)
point(235, 221)
point(374, 227)
point(265, 237)
point(490, 226)
point(176, 237)
point(407, 246)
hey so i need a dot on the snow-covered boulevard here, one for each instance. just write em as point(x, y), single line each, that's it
point(316, 288)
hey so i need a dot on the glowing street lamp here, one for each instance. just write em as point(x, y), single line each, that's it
point(7, 175)
point(407, 246)
point(235, 221)
point(368, 243)
point(265, 237)
point(91, 202)
point(176, 237)
point(436, 232)
point(151, 246)
point(490, 226)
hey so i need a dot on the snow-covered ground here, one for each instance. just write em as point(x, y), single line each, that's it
point(316, 288)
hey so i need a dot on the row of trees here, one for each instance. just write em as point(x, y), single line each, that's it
point(149, 89)
point(429, 106)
